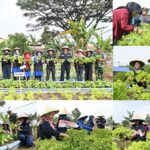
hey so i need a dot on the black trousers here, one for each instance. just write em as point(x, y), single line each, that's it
point(80, 69)
point(88, 73)
point(50, 71)
point(65, 68)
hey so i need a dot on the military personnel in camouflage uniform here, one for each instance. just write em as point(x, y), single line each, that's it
point(99, 64)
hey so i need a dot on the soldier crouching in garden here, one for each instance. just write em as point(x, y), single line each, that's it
point(25, 131)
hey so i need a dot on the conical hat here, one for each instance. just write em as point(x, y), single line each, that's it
point(82, 117)
point(6, 49)
point(22, 116)
point(132, 63)
point(48, 110)
point(136, 117)
point(101, 115)
point(64, 112)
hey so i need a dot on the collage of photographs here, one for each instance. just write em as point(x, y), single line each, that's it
point(75, 75)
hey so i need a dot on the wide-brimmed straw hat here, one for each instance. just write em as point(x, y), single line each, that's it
point(23, 116)
point(82, 117)
point(80, 50)
point(132, 63)
point(6, 49)
point(51, 49)
point(65, 47)
point(48, 110)
point(64, 112)
point(136, 118)
point(89, 50)
point(17, 48)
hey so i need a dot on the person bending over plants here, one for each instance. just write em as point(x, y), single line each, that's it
point(90, 121)
point(64, 121)
point(82, 125)
point(46, 128)
point(122, 17)
point(139, 129)
point(137, 66)
point(101, 122)
point(25, 131)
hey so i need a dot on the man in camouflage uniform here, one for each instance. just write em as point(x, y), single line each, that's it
point(99, 64)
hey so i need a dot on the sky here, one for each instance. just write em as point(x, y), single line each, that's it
point(143, 3)
point(86, 107)
point(123, 55)
point(117, 109)
point(19, 107)
point(12, 20)
point(120, 109)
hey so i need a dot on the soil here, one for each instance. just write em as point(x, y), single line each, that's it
point(57, 96)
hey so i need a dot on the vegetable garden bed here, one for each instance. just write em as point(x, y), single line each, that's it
point(59, 94)
point(54, 84)
point(80, 140)
point(122, 140)
point(135, 39)
point(125, 89)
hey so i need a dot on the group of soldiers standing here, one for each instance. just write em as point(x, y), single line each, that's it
point(83, 69)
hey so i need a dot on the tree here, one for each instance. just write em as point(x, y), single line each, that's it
point(76, 114)
point(101, 43)
point(3, 44)
point(33, 41)
point(80, 33)
point(18, 40)
point(147, 68)
point(110, 121)
point(2, 103)
point(57, 12)
point(147, 119)
point(48, 35)
point(127, 119)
